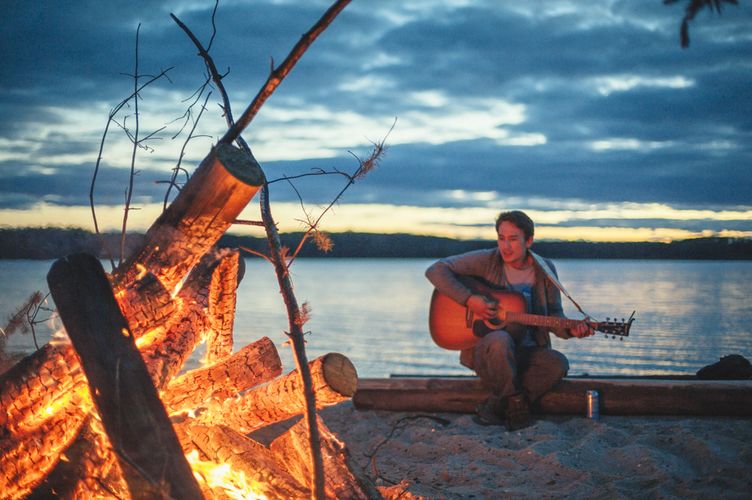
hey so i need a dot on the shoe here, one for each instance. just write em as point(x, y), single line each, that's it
point(517, 412)
point(488, 412)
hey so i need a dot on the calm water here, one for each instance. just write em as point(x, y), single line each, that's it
point(689, 313)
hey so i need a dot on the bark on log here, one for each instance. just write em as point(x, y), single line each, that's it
point(292, 451)
point(334, 380)
point(617, 396)
point(146, 304)
point(135, 420)
point(214, 196)
point(222, 302)
point(223, 445)
point(253, 365)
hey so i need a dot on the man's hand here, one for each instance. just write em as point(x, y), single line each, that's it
point(582, 329)
point(482, 307)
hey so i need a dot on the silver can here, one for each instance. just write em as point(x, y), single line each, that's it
point(593, 402)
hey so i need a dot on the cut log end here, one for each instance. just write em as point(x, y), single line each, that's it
point(239, 164)
point(340, 374)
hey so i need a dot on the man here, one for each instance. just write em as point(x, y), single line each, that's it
point(518, 367)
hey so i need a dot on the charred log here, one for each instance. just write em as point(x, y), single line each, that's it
point(341, 479)
point(334, 380)
point(253, 365)
point(222, 445)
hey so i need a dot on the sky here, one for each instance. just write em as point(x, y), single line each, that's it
point(589, 116)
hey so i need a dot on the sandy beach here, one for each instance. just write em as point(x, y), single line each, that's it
point(447, 455)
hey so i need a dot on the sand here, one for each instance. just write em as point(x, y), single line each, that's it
point(445, 455)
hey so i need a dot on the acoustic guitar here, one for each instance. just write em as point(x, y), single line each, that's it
point(453, 326)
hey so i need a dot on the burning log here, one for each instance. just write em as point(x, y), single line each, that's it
point(22, 458)
point(164, 351)
point(253, 365)
point(263, 476)
point(292, 451)
point(214, 196)
point(222, 302)
point(164, 355)
point(146, 303)
point(134, 418)
point(334, 380)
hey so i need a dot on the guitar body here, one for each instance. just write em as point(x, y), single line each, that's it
point(453, 327)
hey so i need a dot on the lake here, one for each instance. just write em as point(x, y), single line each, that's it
point(688, 313)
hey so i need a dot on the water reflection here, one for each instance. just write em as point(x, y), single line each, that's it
point(689, 313)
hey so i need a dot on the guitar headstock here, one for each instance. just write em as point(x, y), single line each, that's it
point(614, 327)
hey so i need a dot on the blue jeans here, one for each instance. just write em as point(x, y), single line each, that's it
point(506, 368)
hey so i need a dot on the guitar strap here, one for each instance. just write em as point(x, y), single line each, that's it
point(551, 276)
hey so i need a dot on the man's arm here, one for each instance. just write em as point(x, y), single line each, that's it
point(443, 275)
point(555, 309)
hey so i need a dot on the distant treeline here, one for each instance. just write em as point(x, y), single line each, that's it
point(51, 243)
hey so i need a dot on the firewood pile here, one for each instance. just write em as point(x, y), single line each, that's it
point(78, 419)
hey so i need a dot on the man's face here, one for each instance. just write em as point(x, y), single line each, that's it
point(512, 244)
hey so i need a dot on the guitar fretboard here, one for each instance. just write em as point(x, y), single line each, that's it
point(549, 321)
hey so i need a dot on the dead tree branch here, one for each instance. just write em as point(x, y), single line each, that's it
point(129, 191)
point(285, 283)
point(97, 165)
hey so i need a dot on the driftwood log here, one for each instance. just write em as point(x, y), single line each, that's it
point(617, 396)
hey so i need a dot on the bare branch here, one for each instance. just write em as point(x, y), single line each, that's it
point(110, 119)
point(243, 222)
point(278, 254)
point(129, 192)
point(257, 254)
point(178, 168)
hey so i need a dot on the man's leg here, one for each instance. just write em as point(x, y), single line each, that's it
point(495, 363)
point(544, 368)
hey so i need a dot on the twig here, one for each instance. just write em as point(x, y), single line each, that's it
point(364, 167)
point(398, 425)
point(257, 254)
point(176, 170)
point(244, 222)
point(129, 192)
point(94, 176)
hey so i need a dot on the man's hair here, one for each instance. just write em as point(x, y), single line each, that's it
point(519, 219)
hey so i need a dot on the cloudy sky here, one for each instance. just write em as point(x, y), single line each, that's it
point(588, 115)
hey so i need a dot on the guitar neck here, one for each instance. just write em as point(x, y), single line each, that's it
point(547, 321)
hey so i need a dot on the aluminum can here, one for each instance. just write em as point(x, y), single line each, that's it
point(593, 401)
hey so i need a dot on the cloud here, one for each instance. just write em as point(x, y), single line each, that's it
point(497, 103)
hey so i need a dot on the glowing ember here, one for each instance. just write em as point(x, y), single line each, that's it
point(142, 271)
point(233, 483)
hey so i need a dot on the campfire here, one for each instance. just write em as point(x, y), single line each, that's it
point(79, 420)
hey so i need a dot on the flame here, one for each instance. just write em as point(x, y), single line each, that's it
point(214, 475)
point(142, 271)
point(149, 337)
